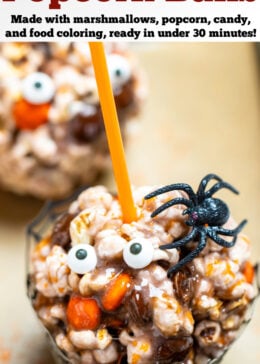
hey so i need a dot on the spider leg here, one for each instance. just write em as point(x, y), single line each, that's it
point(180, 242)
point(220, 241)
point(201, 245)
point(205, 181)
point(218, 186)
point(226, 244)
point(174, 187)
point(232, 232)
point(175, 201)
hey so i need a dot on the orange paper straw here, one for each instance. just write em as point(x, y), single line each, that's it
point(113, 131)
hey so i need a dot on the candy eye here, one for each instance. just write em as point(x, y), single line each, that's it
point(138, 253)
point(119, 70)
point(82, 258)
point(38, 88)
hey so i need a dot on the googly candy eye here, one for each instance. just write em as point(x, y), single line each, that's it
point(138, 253)
point(82, 258)
point(38, 88)
point(119, 70)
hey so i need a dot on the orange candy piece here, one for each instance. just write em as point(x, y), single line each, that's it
point(249, 272)
point(30, 116)
point(83, 313)
point(116, 291)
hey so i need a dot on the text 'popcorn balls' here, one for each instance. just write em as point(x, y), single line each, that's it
point(52, 135)
point(100, 286)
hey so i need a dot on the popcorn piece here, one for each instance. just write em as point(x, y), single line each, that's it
point(170, 317)
point(90, 340)
point(52, 278)
point(86, 225)
point(87, 357)
point(63, 343)
point(241, 251)
point(73, 281)
point(109, 245)
point(83, 339)
point(107, 355)
point(88, 198)
point(221, 271)
point(139, 351)
point(44, 147)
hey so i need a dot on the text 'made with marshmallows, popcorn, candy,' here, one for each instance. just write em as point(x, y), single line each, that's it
point(130, 20)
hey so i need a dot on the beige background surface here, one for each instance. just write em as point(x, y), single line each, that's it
point(202, 116)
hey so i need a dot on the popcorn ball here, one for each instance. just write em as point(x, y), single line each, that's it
point(52, 134)
point(106, 293)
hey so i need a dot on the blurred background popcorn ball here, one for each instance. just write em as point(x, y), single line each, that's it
point(52, 135)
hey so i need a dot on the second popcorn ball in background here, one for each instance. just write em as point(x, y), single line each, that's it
point(51, 127)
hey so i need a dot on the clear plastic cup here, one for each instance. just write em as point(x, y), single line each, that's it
point(38, 229)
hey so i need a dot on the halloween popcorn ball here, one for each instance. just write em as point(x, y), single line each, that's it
point(174, 287)
point(51, 127)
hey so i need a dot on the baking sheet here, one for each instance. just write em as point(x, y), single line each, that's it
point(201, 115)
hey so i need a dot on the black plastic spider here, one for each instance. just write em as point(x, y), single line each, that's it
point(206, 216)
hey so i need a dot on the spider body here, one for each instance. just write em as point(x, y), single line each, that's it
point(212, 212)
point(206, 216)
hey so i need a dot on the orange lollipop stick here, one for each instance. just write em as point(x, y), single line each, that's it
point(113, 131)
